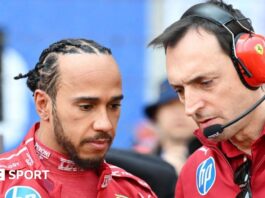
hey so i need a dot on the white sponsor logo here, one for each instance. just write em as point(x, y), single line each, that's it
point(10, 166)
point(67, 165)
point(203, 149)
point(106, 181)
point(29, 160)
point(42, 152)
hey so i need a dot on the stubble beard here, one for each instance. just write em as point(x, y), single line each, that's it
point(68, 146)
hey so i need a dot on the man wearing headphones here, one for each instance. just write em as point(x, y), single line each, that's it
point(216, 63)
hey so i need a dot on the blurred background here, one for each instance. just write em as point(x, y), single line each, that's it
point(126, 26)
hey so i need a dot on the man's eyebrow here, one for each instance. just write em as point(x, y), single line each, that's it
point(193, 79)
point(115, 98)
point(96, 99)
point(86, 98)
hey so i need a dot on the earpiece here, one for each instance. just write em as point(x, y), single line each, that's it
point(250, 52)
point(247, 47)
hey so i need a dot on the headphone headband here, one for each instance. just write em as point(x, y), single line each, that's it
point(211, 12)
point(218, 16)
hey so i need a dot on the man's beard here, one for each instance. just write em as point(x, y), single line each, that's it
point(68, 146)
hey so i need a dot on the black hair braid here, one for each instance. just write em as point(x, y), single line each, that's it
point(44, 75)
point(34, 77)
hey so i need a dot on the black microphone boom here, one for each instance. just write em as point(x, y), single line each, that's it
point(213, 130)
point(217, 129)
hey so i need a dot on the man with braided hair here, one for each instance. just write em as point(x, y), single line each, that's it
point(77, 93)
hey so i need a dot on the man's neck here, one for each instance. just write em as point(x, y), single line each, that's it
point(47, 138)
point(244, 139)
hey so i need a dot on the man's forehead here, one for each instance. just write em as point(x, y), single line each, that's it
point(177, 80)
point(86, 62)
point(74, 58)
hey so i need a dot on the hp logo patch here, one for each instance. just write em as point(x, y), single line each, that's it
point(22, 192)
point(205, 176)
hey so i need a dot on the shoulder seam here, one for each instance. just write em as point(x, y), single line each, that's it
point(18, 152)
point(14, 155)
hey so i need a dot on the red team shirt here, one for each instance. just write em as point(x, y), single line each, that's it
point(209, 171)
point(56, 176)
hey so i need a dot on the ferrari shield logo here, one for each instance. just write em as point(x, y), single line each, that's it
point(259, 49)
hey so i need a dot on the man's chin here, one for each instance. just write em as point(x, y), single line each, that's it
point(88, 163)
point(93, 156)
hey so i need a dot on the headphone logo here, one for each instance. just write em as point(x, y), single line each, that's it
point(259, 49)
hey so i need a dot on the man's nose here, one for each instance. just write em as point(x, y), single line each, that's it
point(193, 102)
point(103, 122)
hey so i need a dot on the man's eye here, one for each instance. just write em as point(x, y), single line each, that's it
point(115, 106)
point(178, 91)
point(85, 107)
point(206, 82)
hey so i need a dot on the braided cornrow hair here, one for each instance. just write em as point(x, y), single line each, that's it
point(45, 74)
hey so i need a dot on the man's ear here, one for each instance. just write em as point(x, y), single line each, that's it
point(43, 104)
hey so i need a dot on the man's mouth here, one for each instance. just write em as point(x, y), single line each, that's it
point(97, 144)
point(206, 123)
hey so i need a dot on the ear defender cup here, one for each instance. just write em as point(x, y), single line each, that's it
point(250, 51)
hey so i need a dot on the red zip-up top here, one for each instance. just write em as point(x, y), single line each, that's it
point(209, 172)
point(33, 170)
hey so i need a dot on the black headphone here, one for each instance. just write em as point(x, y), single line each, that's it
point(248, 48)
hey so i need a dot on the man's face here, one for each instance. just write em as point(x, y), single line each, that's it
point(207, 82)
point(87, 106)
point(173, 122)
